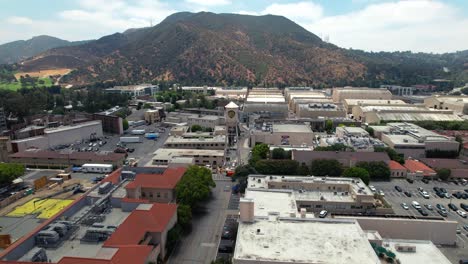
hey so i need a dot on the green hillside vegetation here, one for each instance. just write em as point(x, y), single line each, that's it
point(26, 82)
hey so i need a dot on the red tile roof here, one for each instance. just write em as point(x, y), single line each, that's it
point(413, 166)
point(167, 180)
point(139, 222)
point(114, 177)
point(393, 165)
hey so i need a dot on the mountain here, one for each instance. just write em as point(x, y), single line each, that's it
point(230, 49)
point(19, 50)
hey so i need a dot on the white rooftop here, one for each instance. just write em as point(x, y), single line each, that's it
point(278, 201)
point(426, 252)
point(298, 128)
point(303, 241)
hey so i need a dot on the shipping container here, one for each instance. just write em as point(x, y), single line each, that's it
point(130, 139)
point(98, 168)
point(138, 132)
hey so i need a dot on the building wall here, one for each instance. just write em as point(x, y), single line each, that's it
point(5, 149)
point(305, 112)
point(439, 232)
point(398, 173)
point(197, 145)
point(36, 142)
point(201, 160)
point(72, 135)
point(110, 123)
point(204, 122)
point(62, 162)
point(340, 94)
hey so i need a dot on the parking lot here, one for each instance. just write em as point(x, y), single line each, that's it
point(395, 198)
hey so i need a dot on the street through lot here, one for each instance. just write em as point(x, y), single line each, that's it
point(395, 198)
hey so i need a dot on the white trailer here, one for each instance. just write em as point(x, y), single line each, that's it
point(97, 168)
point(138, 132)
point(130, 139)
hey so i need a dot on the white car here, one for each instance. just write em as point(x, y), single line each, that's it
point(461, 213)
point(323, 214)
point(425, 194)
point(372, 188)
point(381, 193)
point(416, 205)
point(405, 206)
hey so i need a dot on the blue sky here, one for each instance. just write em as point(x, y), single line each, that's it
point(373, 25)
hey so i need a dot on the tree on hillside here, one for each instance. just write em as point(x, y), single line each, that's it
point(378, 170)
point(324, 167)
point(444, 174)
point(195, 186)
point(356, 172)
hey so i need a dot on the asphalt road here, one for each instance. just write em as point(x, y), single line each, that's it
point(201, 245)
point(396, 198)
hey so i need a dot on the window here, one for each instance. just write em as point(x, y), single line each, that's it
point(158, 195)
point(143, 194)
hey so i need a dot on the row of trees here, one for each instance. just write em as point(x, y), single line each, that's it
point(9, 172)
point(193, 189)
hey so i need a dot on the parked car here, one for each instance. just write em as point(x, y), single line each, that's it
point(457, 195)
point(429, 207)
point(405, 206)
point(416, 205)
point(436, 189)
point(423, 212)
point(440, 194)
point(464, 206)
point(425, 195)
point(461, 213)
point(407, 193)
point(442, 213)
point(441, 207)
point(398, 188)
point(420, 189)
point(465, 227)
point(381, 193)
point(447, 195)
point(443, 190)
point(426, 181)
point(323, 214)
point(409, 180)
point(372, 188)
point(453, 207)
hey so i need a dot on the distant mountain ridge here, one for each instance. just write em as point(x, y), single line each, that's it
point(16, 51)
point(231, 49)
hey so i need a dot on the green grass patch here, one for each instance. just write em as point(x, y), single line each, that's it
point(14, 86)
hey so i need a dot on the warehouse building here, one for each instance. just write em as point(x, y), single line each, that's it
point(347, 159)
point(34, 158)
point(196, 141)
point(457, 167)
point(167, 157)
point(210, 121)
point(266, 102)
point(316, 110)
point(63, 135)
point(458, 104)
point(348, 104)
point(231, 93)
point(413, 141)
point(282, 134)
point(340, 94)
point(405, 113)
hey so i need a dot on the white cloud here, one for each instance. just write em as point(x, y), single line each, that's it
point(16, 20)
point(417, 25)
point(209, 2)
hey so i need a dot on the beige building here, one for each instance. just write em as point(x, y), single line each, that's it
point(167, 156)
point(316, 110)
point(235, 93)
point(5, 149)
point(348, 104)
point(152, 116)
point(413, 141)
point(340, 94)
point(267, 102)
point(407, 113)
point(196, 141)
point(459, 104)
point(282, 134)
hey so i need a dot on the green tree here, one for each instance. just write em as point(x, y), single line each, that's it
point(9, 172)
point(277, 167)
point(370, 130)
point(196, 128)
point(391, 153)
point(378, 170)
point(334, 147)
point(303, 170)
point(195, 186)
point(356, 172)
point(278, 153)
point(184, 216)
point(125, 124)
point(241, 173)
point(329, 126)
point(444, 174)
point(326, 167)
point(261, 150)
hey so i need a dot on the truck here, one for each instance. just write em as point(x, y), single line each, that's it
point(138, 132)
point(97, 168)
point(130, 139)
point(151, 135)
point(139, 123)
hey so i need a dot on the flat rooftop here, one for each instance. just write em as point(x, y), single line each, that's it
point(167, 153)
point(418, 116)
point(426, 252)
point(373, 102)
point(266, 99)
point(266, 201)
point(297, 128)
point(76, 126)
point(303, 241)
point(200, 139)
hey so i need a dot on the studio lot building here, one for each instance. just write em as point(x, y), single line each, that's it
point(194, 141)
point(35, 158)
point(167, 156)
point(347, 159)
point(282, 134)
point(340, 94)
